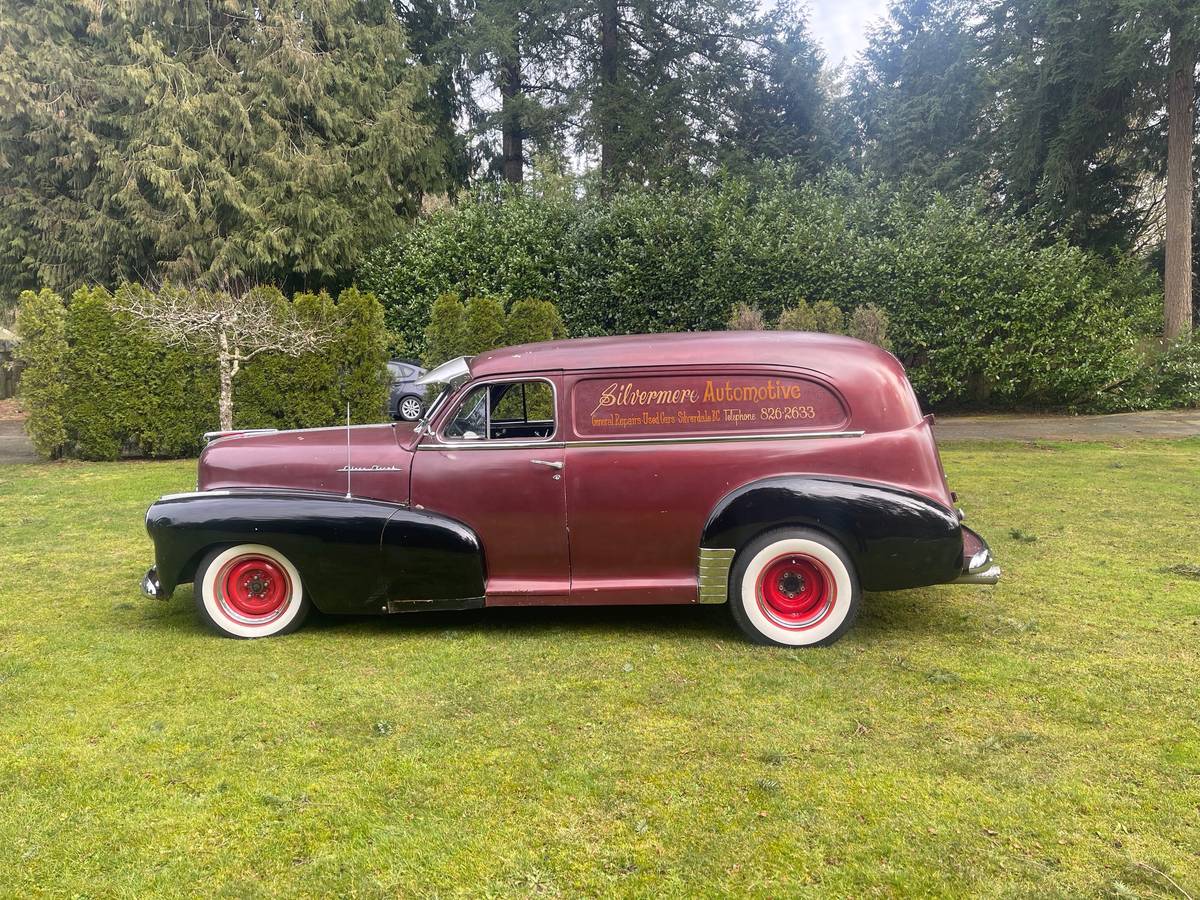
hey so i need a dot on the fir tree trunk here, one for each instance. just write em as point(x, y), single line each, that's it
point(225, 368)
point(513, 145)
point(608, 83)
point(1181, 90)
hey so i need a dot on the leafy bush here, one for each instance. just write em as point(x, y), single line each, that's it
point(445, 335)
point(978, 309)
point(484, 324)
point(511, 247)
point(481, 324)
point(102, 386)
point(532, 320)
point(822, 316)
point(829, 319)
point(867, 323)
point(1168, 378)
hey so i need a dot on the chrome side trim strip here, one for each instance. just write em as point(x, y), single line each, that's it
point(718, 438)
point(210, 436)
point(184, 496)
point(624, 442)
point(496, 444)
point(713, 574)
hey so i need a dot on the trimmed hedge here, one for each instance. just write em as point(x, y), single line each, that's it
point(43, 349)
point(978, 309)
point(482, 323)
point(276, 391)
point(97, 385)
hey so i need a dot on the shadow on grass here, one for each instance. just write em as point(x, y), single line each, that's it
point(667, 621)
point(922, 612)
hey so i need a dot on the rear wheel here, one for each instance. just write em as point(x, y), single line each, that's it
point(250, 591)
point(794, 588)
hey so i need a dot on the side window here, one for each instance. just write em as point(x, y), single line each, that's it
point(513, 410)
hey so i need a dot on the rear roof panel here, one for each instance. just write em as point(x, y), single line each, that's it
point(871, 379)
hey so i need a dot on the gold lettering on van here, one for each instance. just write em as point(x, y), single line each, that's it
point(755, 393)
point(737, 403)
point(628, 394)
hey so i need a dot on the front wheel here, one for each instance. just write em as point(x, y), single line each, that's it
point(794, 588)
point(250, 591)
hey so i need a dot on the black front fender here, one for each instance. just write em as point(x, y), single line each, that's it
point(354, 556)
point(896, 539)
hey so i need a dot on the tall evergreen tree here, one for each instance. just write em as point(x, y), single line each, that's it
point(519, 58)
point(196, 139)
point(1097, 100)
point(1066, 139)
point(659, 82)
point(920, 93)
point(782, 110)
point(433, 28)
point(1181, 102)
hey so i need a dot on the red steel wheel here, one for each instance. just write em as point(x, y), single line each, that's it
point(250, 590)
point(255, 587)
point(796, 590)
point(794, 587)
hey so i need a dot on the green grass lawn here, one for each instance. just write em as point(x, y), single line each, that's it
point(1037, 737)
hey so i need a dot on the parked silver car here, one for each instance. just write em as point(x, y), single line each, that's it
point(407, 399)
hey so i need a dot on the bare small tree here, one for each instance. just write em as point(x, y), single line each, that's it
point(235, 325)
point(744, 317)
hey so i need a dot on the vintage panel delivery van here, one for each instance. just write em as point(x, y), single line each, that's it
point(781, 472)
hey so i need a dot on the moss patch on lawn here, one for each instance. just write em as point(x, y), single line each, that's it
point(1039, 737)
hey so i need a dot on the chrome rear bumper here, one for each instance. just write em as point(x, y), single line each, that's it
point(981, 569)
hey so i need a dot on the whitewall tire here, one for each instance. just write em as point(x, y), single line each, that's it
point(794, 588)
point(250, 591)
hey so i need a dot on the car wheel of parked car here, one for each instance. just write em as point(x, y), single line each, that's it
point(250, 591)
point(411, 408)
point(794, 588)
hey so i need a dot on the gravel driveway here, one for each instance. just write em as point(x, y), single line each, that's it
point(1169, 423)
point(15, 446)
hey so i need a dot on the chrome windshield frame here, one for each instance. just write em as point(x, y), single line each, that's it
point(448, 372)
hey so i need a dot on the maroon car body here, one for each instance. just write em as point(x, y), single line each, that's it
point(621, 470)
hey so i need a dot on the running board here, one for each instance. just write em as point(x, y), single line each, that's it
point(404, 606)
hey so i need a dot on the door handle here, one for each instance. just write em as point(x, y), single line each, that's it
point(554, 464)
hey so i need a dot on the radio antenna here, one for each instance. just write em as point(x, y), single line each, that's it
point(348, 495)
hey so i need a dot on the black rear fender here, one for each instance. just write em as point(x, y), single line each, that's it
point(896, 538)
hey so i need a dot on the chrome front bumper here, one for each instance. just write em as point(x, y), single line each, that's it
point(151, 586)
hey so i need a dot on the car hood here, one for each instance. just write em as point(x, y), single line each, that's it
point(315, 459)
